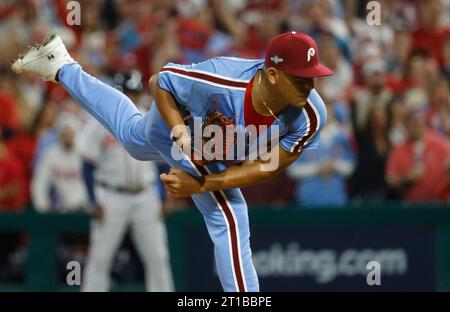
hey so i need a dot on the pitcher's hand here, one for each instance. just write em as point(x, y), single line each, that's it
point(178, 183)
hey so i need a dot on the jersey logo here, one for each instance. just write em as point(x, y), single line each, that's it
point(311, 52)
point(276, 59)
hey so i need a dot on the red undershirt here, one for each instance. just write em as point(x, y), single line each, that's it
point(251, 117)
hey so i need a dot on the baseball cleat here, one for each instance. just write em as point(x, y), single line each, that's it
point(45, 58)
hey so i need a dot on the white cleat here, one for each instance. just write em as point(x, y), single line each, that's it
point(44, 59)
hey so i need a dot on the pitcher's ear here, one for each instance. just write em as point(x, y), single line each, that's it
point(272, 75)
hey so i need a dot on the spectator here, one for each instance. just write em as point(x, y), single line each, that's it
point(419, 168)
point(396, 121)
point(420, 71)
point(12, 181)
point(335, 87)
point(446, 68)
point(375, 93)
point(397, 57)
point(438, 114)
point(317, 17)
point(321, 174)
point(60, 171)
point(9, 119)
point(431, 34)
point(15, 126)
point(367, 182)
point(43, 129)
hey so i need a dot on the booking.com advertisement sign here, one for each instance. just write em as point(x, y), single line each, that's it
point(324, 258)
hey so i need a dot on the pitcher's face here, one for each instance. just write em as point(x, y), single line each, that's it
point(295, 89)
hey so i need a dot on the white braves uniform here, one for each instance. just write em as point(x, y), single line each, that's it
point(61, 169)
point(125, 189)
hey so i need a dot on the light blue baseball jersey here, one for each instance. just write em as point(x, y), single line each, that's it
point(220, 84)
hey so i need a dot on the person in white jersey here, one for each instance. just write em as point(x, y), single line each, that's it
point(123, 192)
point(57, 184)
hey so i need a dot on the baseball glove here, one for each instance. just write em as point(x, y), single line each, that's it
point(211, 147)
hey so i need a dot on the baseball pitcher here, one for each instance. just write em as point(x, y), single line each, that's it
point(277, 92)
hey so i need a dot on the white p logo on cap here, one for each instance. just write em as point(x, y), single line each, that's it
point(311, 52)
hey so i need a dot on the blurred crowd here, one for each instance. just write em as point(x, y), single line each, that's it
point(387, 136)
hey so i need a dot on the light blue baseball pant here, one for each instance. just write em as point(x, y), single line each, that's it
point(146, 137)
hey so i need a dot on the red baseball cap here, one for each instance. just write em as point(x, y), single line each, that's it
point(297, 54)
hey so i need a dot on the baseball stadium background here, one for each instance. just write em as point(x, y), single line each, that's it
point(316, 225)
